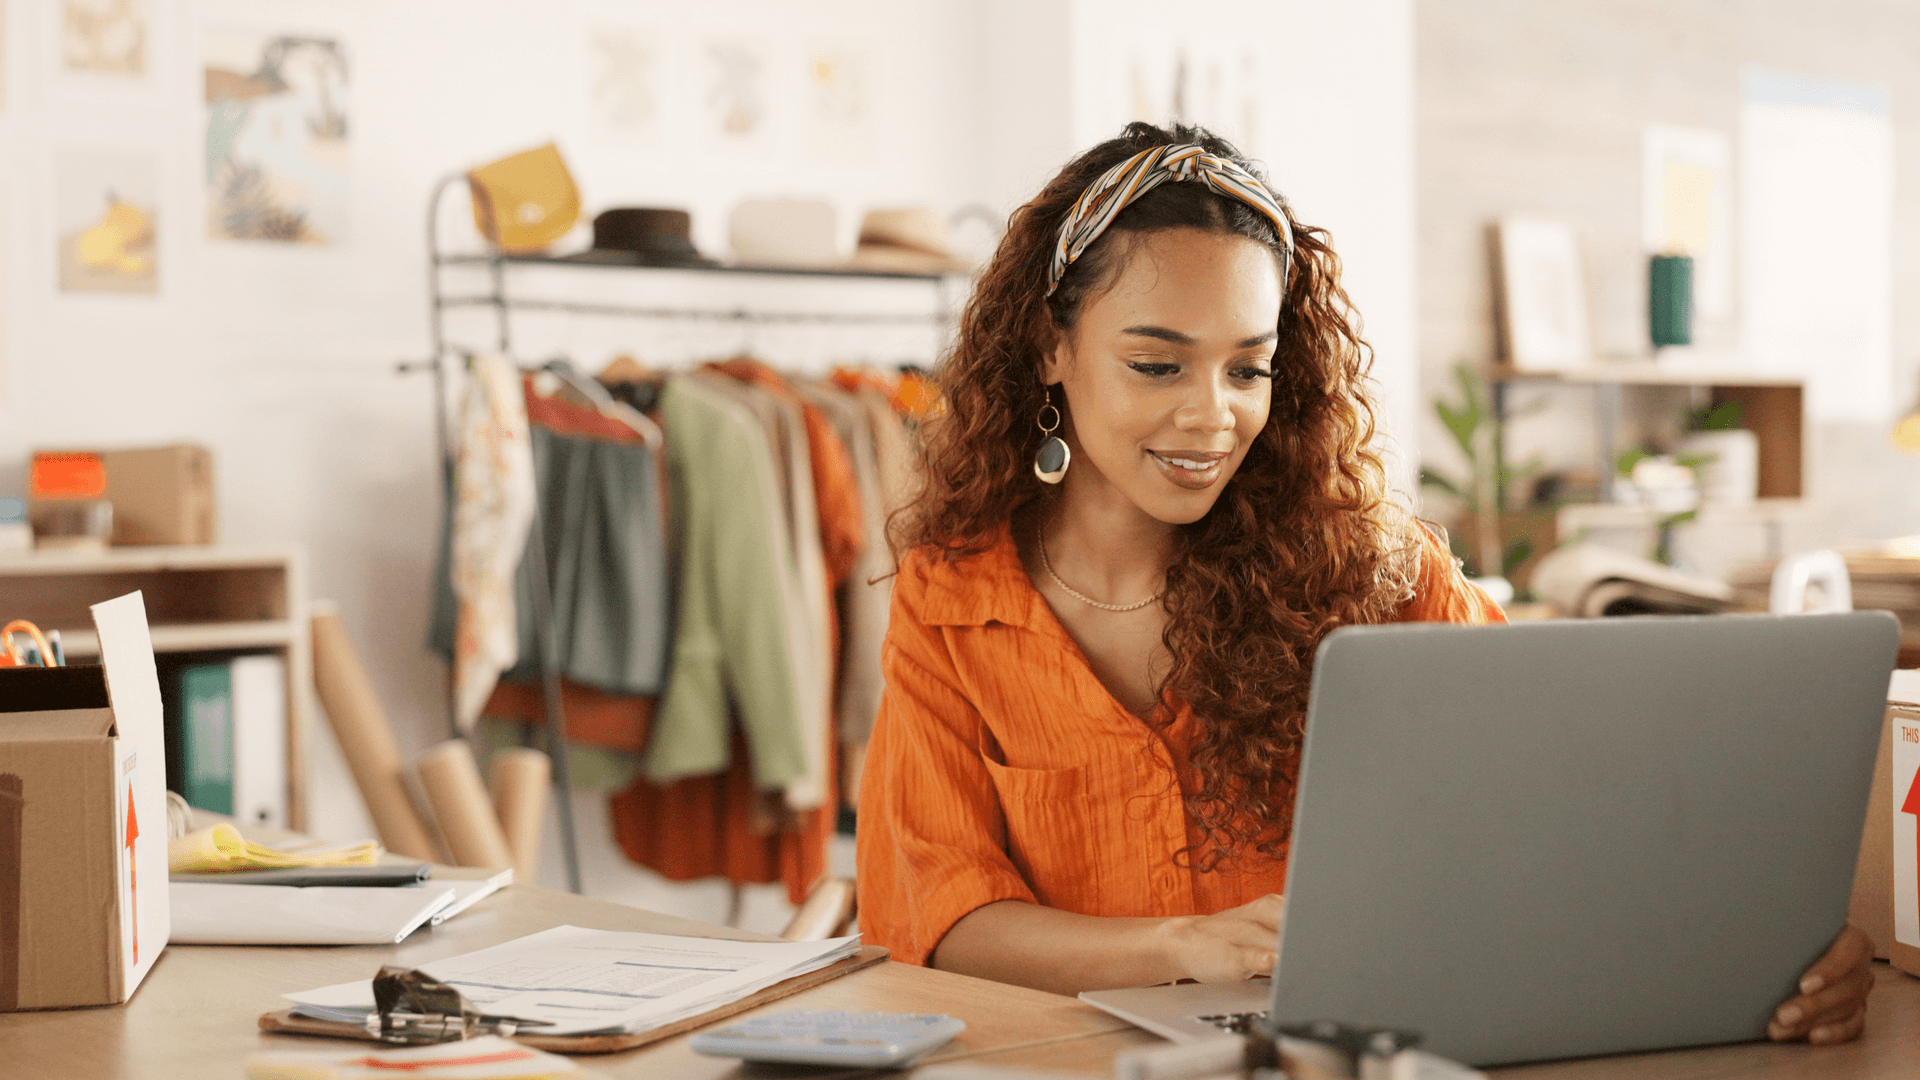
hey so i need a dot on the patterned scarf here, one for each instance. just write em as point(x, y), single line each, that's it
point(1102, 202)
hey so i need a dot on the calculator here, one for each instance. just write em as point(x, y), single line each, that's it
point(873, 1040)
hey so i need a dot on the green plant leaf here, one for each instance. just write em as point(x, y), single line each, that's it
point(1725, 416)
point(1472, 386)
point(1629, 458)
point(1519, 550)
point(1464, 419)
point(1460, 424)
point(1459, 550)
point(1429, 478)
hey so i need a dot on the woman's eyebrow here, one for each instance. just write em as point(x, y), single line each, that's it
point(1161, 333)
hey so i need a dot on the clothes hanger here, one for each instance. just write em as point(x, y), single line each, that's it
point(633, 382)
point(625, 369)
point(598, 398)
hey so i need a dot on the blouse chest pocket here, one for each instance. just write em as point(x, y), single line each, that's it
point(1050, 833)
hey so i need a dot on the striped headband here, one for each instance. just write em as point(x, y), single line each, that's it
point(1102, 202)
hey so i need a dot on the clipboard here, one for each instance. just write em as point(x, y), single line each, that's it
point(285, 1022)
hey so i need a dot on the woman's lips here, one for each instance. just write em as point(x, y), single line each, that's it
point(1193, 471)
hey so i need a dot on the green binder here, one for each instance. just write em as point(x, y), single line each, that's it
point(206, 737)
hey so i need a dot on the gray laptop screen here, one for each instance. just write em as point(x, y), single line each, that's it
point(1558, 839)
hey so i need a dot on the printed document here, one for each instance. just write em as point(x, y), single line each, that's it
point(578, 980)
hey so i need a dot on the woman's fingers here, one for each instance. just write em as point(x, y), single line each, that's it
point(1832, 1000)
point(1841, 1030)
point(1257, 962)
point(1851, 950)
point(1800, 1015)
point(1833, 993)
point(1267, 911)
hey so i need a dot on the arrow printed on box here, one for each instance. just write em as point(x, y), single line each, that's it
point(133, 871)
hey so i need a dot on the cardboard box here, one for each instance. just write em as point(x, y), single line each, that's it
point(83, 822)
point(1871, 908)
point(160, 495)
point(1899, 807)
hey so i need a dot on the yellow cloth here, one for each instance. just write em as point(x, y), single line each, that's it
point(223, 848)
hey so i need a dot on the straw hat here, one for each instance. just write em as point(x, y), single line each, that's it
point(912, 239)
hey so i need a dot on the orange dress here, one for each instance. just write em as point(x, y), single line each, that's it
point(1002, 769)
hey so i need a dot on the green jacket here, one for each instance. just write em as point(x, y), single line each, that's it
point(733, 647)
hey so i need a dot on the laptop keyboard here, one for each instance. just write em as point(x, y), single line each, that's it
point(1240, 1023)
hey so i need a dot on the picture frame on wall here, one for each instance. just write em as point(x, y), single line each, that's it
point(1540, 295)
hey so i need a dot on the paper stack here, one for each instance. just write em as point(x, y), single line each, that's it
point(572, 981)
point(220, 913)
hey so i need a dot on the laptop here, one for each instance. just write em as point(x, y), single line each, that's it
point(1559, 839)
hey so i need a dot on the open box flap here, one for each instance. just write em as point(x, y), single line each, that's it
point(126, 651)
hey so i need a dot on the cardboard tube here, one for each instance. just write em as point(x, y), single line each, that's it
point(360, 724)
point(461, 806)
point(520, 780)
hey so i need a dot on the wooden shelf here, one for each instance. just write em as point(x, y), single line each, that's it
point(198, 599)
point(1772, 407)
point(135, 559)
point(606, 260)
point(1627, 515)
point(191, 637)
point(1642, 374)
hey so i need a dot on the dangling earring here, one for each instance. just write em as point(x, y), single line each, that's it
point(1050, 464)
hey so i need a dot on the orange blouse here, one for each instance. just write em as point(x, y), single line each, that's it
point(1001, 768)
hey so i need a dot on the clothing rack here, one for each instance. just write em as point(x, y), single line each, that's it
point(447, 356)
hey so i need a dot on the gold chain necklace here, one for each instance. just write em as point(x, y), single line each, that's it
point(1040, 535)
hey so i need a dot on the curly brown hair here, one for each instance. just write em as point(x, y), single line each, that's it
point(1302, 540)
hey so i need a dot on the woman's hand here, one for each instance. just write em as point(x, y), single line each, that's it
point(1235, 944)
point(1014, 941)
point(1832, 1004)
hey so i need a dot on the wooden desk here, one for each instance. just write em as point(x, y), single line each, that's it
point(195, 1015)
point(1889, 1049)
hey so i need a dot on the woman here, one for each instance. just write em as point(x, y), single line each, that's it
point(1152, 493)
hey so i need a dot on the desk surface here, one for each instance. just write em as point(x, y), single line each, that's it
point(195, 1014)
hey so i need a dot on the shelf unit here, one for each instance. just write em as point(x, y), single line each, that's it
point(498, 291)
point(1772, 408)
point(197, 599)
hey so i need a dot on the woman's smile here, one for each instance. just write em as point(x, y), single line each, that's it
point(1195, 470)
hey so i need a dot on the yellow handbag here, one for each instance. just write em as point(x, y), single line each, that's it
point(525, 202)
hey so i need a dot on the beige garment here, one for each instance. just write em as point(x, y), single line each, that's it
point(865, 598)
point(492, 512)
point(893, 447)
point(809, 629)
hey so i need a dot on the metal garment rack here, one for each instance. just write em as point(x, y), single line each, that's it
point(498, 297)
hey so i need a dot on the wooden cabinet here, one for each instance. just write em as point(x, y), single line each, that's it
point(198, 599)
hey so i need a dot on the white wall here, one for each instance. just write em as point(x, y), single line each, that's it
point(1322, 94)
point(1531, 108)
point(281, 358)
